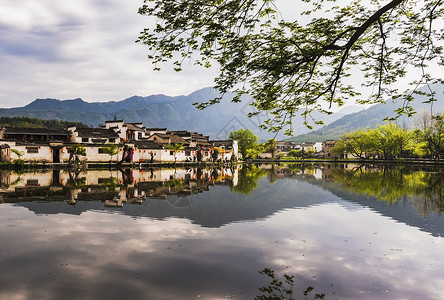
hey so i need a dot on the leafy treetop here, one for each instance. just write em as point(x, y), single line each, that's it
point(293, 68)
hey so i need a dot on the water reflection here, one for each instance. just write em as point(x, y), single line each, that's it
point(161, 193)
point(205, 233)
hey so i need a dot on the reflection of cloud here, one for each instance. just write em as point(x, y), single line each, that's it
point(353, 253)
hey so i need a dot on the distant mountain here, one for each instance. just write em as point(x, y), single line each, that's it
point(371, 118)
point(174, 113)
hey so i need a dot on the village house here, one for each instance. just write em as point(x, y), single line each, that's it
point(93, 135)
point(194, 139)
point(135, 142)
point(127, 131)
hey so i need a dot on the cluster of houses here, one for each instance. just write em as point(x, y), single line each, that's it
point(318, 149)
point(137, 142)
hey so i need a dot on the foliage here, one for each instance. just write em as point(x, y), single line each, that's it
point(77, 149)
point(387, 141)
point(247, 140)
point(295, 153)
point(29, 122)
point(110, 183)
point(295, 67)
point(424, 189)
point(215, 153)
point(199, 154)
point(432, 135)
point(270, 146)
point(19, 162)
point(17, 152)
point(248, 179)
point(280, 290)
point(175, 148)
point(76, 183)
point(110, 149)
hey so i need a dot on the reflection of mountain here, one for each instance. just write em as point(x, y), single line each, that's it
point(402, 211)
point(212, 204)
point(214, 208)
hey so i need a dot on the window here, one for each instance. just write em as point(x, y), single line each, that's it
point(33, 150)
point(171, 152)
point(32, 182)
point(85, 140)
point(112, 140)
point(187, 152)
point(101, 151)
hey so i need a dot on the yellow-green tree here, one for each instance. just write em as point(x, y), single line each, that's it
point(111, 150)
point(176, 148)
point(246, 139)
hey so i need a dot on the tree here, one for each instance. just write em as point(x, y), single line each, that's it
point(19, 162)
point(75, 151)
point(295, 67)
point(111, 150)
point(246, 140)
point(388, 141)
point(199, 155)
point(215, 153)
point(357, 143)
point(270, 147)
point(295, 153)
point(175, 148)
point(433, 136)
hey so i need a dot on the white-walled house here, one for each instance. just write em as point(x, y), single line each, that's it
point(127, 131)
point(93, 135)
point(317, 146)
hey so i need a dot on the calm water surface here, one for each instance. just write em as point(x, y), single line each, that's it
point(351, 232)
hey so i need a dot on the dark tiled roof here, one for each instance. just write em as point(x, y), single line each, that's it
point(132, 126)
point(156, 129)
point(97, 132)
point(174, 139)
point(39, 131)
point(147, 145)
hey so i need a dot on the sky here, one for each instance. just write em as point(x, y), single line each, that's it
point(81, 49)
point(86, 49)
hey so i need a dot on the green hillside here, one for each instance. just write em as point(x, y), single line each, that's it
point(371, 117)
point(37, 123)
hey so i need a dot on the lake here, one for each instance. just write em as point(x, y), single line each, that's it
point(349, 231)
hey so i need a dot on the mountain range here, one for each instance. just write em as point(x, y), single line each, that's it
point(174, 113)
point(374, 116)
point(217, 121)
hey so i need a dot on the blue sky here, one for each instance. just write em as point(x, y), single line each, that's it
point(81, 49)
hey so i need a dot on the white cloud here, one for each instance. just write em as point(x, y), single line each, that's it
point(86, 49)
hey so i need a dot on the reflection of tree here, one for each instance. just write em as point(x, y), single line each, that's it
point(424, 189)
point(110, 183)
point(272, 175)
point(76, 183)
point(248, 179)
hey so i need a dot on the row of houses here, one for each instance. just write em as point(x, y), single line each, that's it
point(136, 142)
point(319, 149)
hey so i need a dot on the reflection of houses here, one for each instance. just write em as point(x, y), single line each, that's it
point(112, 187)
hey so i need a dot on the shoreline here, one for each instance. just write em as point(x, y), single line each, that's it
point(144, 165)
